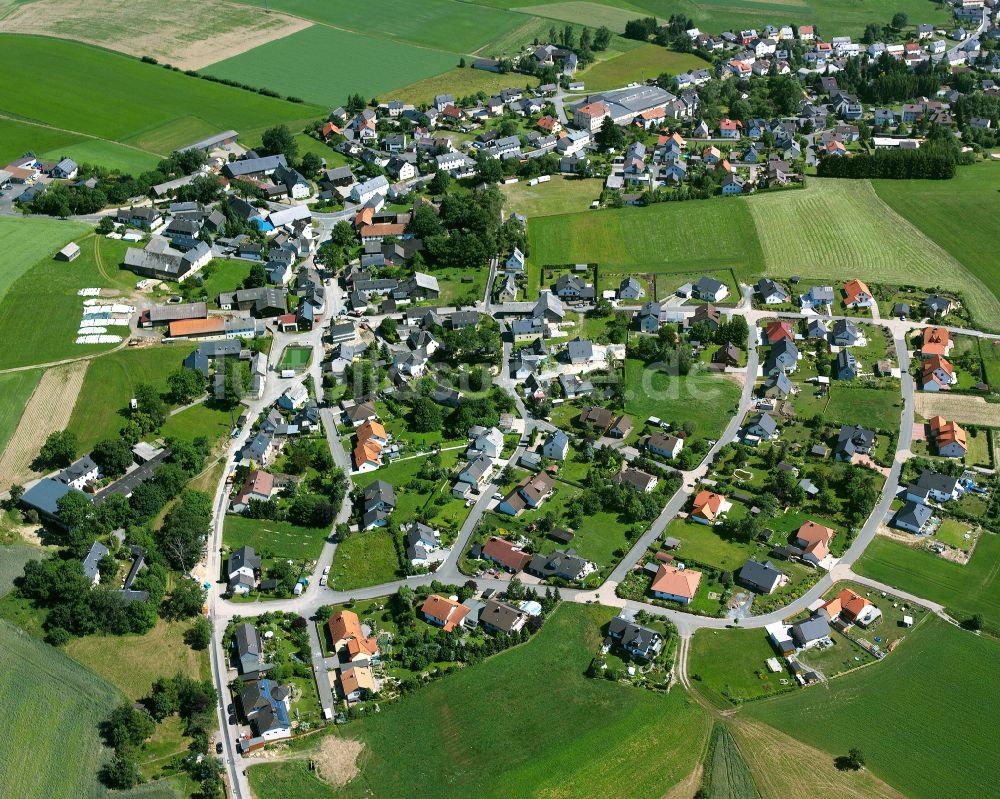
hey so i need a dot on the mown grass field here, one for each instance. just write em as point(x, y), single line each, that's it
point(838, 229)
point(963, 590)
point(939, 679)
point(12, 560)
point(52, 709)
point(274, 539)
point(560, 195)
point(363, 559)
point(959, 215)
point(303, 65)
point(133, 662)
point(26, 240)
point(214, 420)
point(875, 407)
point(97, 96)
point(45, 332)
point(17, 138)
point(524, 723)
point(645, 62)
point(708, 400)
point(459, 82)
point(15, 391)
point(108, 154)
point(731, 666)
point(441, 24)
point(101, 408)
point(699, 234)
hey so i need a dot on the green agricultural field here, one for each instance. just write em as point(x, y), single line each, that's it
point(274, 539)
point(133, 662)
point(15, 391)
point(963, 590)
point(561, 195)
point(700, 234)
point(107, 154)
point(706, 399)
point(574, 732)
point(958, 215)
point(12, 560)
point(98, 97)
point(833, 17)
point(17, 138)
point(363, 559)
point(52, 709)
point(450, 25)
point(731, 666)
point(887, 709)
point(36, 342)
point(459, 82)
point(726, 773)
point(102, 405)
point(643, 63)
point(304, 65)
point(838, 229)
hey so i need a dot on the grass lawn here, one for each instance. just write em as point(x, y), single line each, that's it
point(703, 544)
point(696, 235)
point(97, 266)
point(955, 214)
point(455, 287)
point(107, 154)
point(561, 195)
point(300, 64)
point(644, 62)
point(223, 275)
point(729, 666)
point(363, 559)
point(953, 532)
point(467, 722)
point(706, 399)
point(15, 391)
point(274, 539)
point(853, 233)
point(296, 358)
point(101, 407)
point(846, 404)
point(52, 749)
point(133, 662)
point(211, 419)
point(459, 82)
point(963, 590)
point(98, 97)
point(12, 560)
point(887, 709)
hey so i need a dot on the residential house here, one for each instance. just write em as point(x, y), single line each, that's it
point(675, 583)
point(949, 437)
point(935, 341)
point(530, 492)
point(935, 305)
point(781, 357)
point(348, 639)
point(708, 507)
point(762, 578)
point(936, 374)
point(636, 479)
point(853, 440)
point(845, 366)
point(499, 617)
point(845, 333)
point(771, 292)
point(814, 539)
point(777, 386)
point(243, 570)
point(912, 517)
point(857, 295)
point(639, 641)
point(761, 426)
point(443, 612)
point(662, 445)
point(557, 446)
point(378, 502)
point(265, 706)
point(560, 565)
point(506, 554)
point(249, 651)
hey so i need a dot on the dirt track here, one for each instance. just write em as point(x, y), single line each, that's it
point(186, 35)
point(49, 409)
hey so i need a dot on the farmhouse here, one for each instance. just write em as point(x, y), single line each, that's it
point(160, 261)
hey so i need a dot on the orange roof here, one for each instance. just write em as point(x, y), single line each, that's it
point(779, 330)
point(329, 128)
point(946, 432)
point(833, 607)
point(593, 109)
point(935, 341)
point(678, 138)
point(346, 627)
point(371, 429)
point(811, 533)
point(367, 452)
point(711, 151)
point(835, 146)
point(724, 165)
point(385, 229)
point(707, 505)
point(357, 678)
point(447, 611)
point(197, 327)
point(676, 581)
point(932, 364)
point(654, 113)
point(729, 124)
point(854, 289)
point(365, 217)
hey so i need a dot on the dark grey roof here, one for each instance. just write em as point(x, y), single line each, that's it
point(763, 576)
point(813, 629)
point(854, 439)
point(90, 563)
point(913, 515)
point(631, 635)
point(244, 557)
point(935, 481)
point(379, 491)
point(44, 495)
